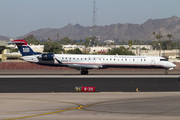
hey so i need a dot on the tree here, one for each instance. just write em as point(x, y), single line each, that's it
point(153, 44)
point(53, 47)
point(73, 42)
point(168, 44)
point(32, 40)
point(65, 41)
point(169, 36)
point(120, 51)
point(49, 39)
point(158, 36)
point(130, 43)
point(154, 33)
point(87, 42)
point(81, 41)
point(123, 42)
point(138, 42)
point(75, 51)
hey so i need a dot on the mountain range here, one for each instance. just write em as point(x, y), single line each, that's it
point(117, 32)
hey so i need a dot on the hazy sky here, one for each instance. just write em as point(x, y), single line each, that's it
point(18, 17)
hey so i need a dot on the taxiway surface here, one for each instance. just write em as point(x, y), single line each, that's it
point(90, 106)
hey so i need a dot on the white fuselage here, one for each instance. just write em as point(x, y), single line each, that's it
point(105, 61)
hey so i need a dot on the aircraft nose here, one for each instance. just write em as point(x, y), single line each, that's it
point(174, 65)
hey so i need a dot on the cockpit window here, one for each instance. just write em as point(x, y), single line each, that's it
point(163, 60)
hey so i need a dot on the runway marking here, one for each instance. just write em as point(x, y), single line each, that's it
point(79, 107)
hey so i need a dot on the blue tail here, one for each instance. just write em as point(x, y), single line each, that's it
point(24, 48)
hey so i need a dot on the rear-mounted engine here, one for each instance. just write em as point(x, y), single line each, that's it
point(48, 56)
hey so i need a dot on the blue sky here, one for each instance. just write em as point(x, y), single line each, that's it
point(19, 17)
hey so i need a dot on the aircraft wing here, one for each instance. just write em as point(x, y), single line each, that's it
point(80, 66)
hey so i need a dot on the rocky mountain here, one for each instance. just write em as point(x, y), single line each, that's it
point(4, 38)
point(118, 31)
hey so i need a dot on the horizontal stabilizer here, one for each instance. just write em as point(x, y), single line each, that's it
point(15, 42)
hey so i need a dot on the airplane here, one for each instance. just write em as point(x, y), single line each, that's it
point(84, 62)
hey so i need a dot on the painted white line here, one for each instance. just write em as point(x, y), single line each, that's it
point(89, 76)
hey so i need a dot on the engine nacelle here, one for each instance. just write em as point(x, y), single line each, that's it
point(48, 56)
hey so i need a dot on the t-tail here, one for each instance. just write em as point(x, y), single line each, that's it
point(24, 48)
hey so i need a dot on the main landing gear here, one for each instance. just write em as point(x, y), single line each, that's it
point(84, 72)
point(166, 71)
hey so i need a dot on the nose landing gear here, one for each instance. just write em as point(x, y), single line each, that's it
point(166, 71)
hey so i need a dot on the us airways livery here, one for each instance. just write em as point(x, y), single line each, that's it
point(86, 62)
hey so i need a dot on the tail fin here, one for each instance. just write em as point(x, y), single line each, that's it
point(24, 48)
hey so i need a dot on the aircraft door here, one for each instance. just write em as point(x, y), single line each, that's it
point(152, 61)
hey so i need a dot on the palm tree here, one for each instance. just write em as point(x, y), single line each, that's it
point(168, 42)
point(159, 36)
point(154, 33)
point(123, 42)
point(49, 39)
point(130, 43)
point(169, 36)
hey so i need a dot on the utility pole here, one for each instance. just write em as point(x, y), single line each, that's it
point(94, 23)
point(57, 37)
point(160, 44)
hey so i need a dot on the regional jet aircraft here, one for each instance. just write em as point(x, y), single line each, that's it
point(86, 62)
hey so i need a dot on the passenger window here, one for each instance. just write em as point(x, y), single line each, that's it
point(81, 59)
point(133, 59)
point(85, 58)
point(62, 58)
point(121, 59)
point(144, 59)
point(70, 58)
point(66, 57)
point(126, 59)
point(77, 58)
point(114, 59)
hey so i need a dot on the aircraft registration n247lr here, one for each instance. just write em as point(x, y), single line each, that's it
point(86, 62)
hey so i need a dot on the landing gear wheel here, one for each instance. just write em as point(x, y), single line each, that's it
point(166, 72)
point(84, 72)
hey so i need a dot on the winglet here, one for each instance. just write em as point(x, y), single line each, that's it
point(58, 61)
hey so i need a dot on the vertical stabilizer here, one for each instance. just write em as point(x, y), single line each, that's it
point(24, 48)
